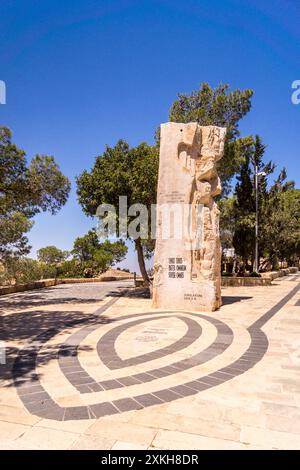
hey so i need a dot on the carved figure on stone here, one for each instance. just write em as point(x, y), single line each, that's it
point(188, 157)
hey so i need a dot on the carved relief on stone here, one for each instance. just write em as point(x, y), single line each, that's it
point(157, 275)
point(188, 157)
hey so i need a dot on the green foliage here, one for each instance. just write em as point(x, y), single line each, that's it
point(13, 242)
point(25, 190)
point(95, 257)
point(213, 106)
point(119, 171)
point(219, 107)
point(254, 274)
point(71, 269)
point(91, 258)
point(51, 255)
point(244, 211)
point(84, 247)
point(49, 188)
point(117, 251)
point(226, 274)
point(24, 270)
point(280, 225)
point(279, 212)
point(227, 221)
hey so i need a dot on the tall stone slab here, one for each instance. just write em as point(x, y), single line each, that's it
point(188, 252)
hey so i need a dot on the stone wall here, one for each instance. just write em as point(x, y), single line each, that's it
point(282, 272)
point(234, 281)
point(265, 279)
point(29, 286)
point(53, 282)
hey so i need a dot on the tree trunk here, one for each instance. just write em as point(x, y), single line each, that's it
point(141, 261)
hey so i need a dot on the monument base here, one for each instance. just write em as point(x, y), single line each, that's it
point(199, 297)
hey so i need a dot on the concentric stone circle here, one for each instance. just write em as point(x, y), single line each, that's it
point(39, 402)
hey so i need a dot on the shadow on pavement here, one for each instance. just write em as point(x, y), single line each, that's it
point(227, 299)
point(35, 328)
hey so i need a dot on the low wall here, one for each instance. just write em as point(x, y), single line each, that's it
point(282, 272)
point(230, 281)
point(29, 286)
point(245, 281)
point(83, 280)
point(265, 279)
point(53, 282)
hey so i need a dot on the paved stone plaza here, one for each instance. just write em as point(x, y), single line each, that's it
point(87, 368)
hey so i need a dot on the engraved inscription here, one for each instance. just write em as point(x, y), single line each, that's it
point(176, 268)
point(192, 297)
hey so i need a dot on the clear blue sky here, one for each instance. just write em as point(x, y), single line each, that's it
point(83, 73)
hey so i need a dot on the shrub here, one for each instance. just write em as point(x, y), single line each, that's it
point(227, 274)
point(71, 268)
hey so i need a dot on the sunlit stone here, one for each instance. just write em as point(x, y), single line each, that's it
point(188, 252)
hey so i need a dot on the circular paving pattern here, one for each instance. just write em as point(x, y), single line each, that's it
point(182, 356)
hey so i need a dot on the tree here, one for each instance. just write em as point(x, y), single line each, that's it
point(25, 190)
point(131, 172)
point(244, 207)
point(290, 208)
point(84, 247)
point(51, 255)
point(95, 257)
point(227, 221)
point(280, 222)
point(244, 213)
point(219, 107)
point(13, 241)
point(278, 213)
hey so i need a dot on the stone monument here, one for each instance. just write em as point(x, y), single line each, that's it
point(188, 251)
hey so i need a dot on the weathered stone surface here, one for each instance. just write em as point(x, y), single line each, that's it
point(188, 252)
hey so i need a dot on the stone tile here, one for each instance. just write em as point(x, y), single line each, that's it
point(44, 438)
point(78, 426)
point(183, 390)
point(11, 431)
point(207, 410)
point(128, 381)
point(242, 416)
point(263, 402)
point(120, 445)
point(166, 395)
point(171, 440)
point(76, 413)
point(269, 439)
point(280, 398)
point(280, 410)
point(192, 425)
point(17, 415)
point(284, 424)
point(127, 404)
point(103, 409)
point(12, 446)
point(126, 432)
point(92, 443)
point(110, 384)
point(148, 399)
